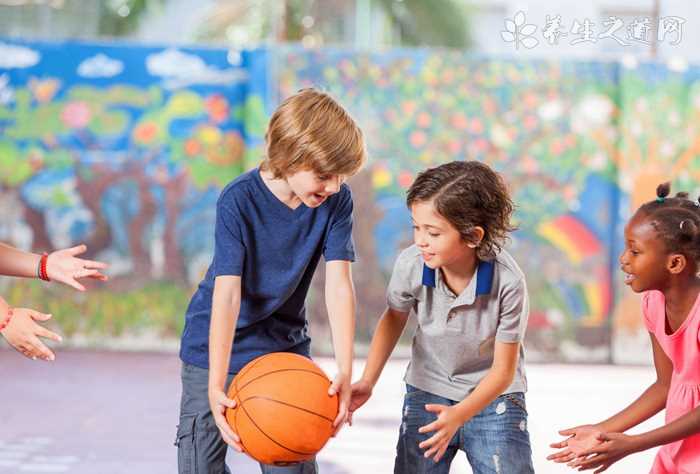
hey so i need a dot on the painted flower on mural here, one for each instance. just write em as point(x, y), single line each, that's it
point(405, 179)
point(551, 110)
point(145, 133)
point(192, 147)
point(592, 112)
point(209, 135)
point(381, 176)
point(418, 138)
point(217, 107)
point(76, 114)
point(423, 120)
point(44, 90)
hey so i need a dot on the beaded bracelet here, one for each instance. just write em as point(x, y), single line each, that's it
point(4, 324)
point(43, 274)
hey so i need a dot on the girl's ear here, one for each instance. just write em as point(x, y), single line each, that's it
point(477, 235)
point(676, 263)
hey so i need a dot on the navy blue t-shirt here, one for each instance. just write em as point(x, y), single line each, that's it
point(275, 251)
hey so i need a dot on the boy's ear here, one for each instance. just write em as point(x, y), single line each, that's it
point(676, 263)
point(476, 237)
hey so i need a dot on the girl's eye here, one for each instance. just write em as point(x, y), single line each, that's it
point(433, 235)
point(634, 252)
point(324, 178)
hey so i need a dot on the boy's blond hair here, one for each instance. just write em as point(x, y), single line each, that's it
point(311, 131)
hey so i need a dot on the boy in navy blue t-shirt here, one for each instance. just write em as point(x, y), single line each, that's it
point(273, 224)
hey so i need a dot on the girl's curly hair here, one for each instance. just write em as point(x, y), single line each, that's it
point(676, 221)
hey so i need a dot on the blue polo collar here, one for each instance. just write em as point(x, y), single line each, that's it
point(484, 277)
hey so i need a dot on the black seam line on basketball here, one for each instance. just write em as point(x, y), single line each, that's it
point(258, 397)
point(254, 363)
point(268, 437)
point(277, 371)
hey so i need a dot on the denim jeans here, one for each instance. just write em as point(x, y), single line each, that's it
point(200, 448)
point(495, 441)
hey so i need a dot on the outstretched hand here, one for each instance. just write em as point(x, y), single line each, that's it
point(23, 333)
point(65, 267)
point(579, 439)
point(611, 448)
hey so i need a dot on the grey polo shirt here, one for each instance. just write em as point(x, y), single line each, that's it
point(453, 345)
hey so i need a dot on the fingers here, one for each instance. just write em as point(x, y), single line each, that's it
point(225, 402)
point(430, 442)
point(39, 350)
point(72, 282)
point(568, 432)
point(564, 456)
point(435, 452)
point(77, 250)
point(94, 264)
point(434, 408)
point(342, 416)
point(43, 332)
point(34, 349)
point(227, 434)
point(434, 426)
point(37, 316)
point(334, 388)
point(559, 454)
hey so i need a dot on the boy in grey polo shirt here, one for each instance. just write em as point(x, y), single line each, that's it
point(466, 381)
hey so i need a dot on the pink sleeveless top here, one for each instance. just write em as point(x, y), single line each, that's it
point(683, 349)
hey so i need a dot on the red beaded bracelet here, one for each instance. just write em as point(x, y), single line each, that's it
point(42, 267)
point(4, 324)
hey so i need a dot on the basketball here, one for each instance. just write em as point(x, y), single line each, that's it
point(283, 413)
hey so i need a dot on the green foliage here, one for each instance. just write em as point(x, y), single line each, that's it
point(13, 169)
point(433, 23)
point(157, 306)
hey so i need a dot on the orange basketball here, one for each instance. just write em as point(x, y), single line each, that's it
point(283, 413)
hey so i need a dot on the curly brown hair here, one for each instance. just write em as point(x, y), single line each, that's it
point(676, 221)
point(468, 194)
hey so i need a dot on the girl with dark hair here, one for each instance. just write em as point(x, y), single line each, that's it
point(660, 260)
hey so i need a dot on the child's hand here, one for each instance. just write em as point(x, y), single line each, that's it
point(64, 267)
point(611, 448)
point(579, 439)
point(360, 393)
point(23, 334)
point(218, 402)
point(341, 386)
point(446, 425)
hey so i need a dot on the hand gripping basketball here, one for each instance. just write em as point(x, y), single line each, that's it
point(283, 412)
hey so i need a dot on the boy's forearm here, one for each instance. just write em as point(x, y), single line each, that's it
point(652, 401)
point(17, 263)
point(494, 383)
point(386, 335)
point(340, 304)
point(224, 316)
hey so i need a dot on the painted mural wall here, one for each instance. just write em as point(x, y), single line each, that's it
point(126, 148)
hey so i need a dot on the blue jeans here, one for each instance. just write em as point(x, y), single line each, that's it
point(495, 440)
point(200, 448)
